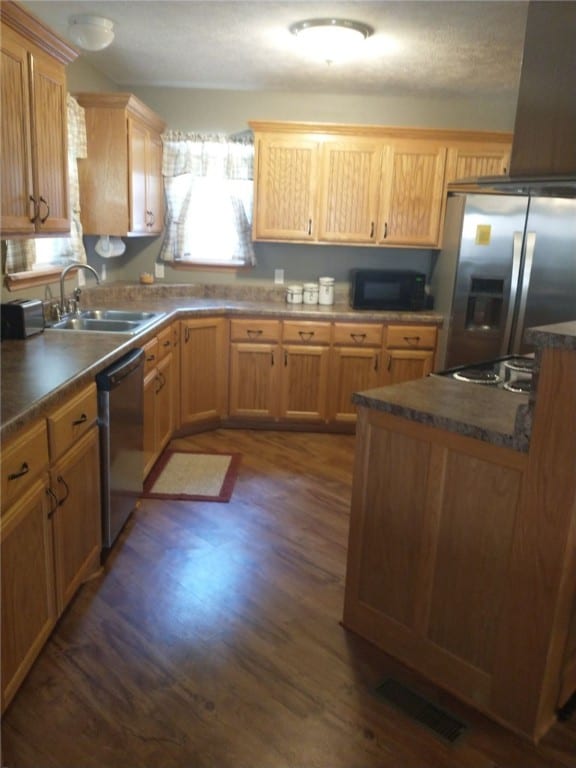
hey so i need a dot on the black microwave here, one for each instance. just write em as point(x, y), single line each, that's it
point(382, 289)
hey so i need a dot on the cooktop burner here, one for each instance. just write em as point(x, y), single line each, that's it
point(512, 373)
point(477, 376)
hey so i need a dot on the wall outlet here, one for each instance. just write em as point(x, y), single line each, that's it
point(279, 276)
point(159, 271)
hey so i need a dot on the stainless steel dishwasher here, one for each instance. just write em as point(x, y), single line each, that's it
point(121, 418)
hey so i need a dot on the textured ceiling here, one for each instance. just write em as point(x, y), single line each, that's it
point(440, 48)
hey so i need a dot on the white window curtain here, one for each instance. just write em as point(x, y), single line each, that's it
point(209, 197)
point(37, 254)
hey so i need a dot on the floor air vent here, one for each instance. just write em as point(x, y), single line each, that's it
point(420, 709)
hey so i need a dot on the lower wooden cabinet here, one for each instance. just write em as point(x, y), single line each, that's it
point(28, 595)
point(77, 518)
point(355, 366)
point(160, 390)
point(409, 353)
point(50, 528)
point(204, 370)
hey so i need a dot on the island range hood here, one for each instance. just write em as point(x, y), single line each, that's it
point(543, 159)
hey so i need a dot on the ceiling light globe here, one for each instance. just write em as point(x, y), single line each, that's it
point(92, 33)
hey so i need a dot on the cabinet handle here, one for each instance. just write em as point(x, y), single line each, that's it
point(410, 339)
point(372, 230)
point(43, 218)
point(150, 358)
point(53, 502)
point(83, 418)
point(385, 230)
point(24, 469)
point(158, 379)
point(389, 366)
point(285, 358)
point(358, 338)
point(306, 335)
point(34, 218)
point(253, 334)
point(186, 334)
point(376, 362)
point(272, 359)
point(309, 226)
point(166, 343)
point(60, 479)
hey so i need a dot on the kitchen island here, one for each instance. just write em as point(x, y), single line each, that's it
point(462, 548)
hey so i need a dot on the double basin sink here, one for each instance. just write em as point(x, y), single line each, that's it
point(107, 321)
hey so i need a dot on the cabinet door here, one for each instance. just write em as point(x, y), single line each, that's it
point(15, 146)
point(137, 136)
point(149, 433)
point(412, 194)
point(164, 406)
point(154, 186)
point(349, 181)
point(352, 369)
point(204, 369)
point(49, 119)
point(406, 364)
point(28, 599)
point(77, 520)
point(285, 205)
point(473, 160)
point(254, 372)
point(304, 385)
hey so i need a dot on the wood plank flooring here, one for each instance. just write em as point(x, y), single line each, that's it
point(212, 640)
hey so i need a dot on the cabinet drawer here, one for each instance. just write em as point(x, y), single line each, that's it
point(356, 335)
point(411, 336)
point(254, 330)
point(71, 421)
point(306, 332)
point(164, 340)
point(150, 355)
point(23, 460)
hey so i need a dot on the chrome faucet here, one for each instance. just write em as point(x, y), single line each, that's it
point(68, 268)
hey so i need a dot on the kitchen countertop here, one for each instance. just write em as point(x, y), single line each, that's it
point(41, 372)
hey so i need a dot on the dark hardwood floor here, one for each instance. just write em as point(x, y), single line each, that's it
point(212, 640)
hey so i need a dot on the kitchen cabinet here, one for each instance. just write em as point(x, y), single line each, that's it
point(75, 482)
point(355, 366)
point(362, 185)
point(286, 173)
point(121, 188)
point(204, 370)
point(159, 394)
point(255, 367)
point(28, 596)
point(473, 159)
point(34, 186)
point(304, 376)
point(408, 352)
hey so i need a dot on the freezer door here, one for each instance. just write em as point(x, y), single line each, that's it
point(487, 265)
point(548, 281)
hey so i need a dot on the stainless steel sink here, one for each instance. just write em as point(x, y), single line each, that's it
point(107, 321)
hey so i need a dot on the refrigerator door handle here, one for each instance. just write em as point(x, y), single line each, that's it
point(515, 276)
point(526, 274)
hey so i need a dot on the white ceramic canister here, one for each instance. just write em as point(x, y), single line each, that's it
point(325, 290)
point(294, 294)
point(310, 293)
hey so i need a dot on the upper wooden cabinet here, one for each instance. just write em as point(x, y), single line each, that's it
point(362, 185)
point(121, 188)
point(34, 187)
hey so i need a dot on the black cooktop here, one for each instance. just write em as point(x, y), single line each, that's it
point(513, 373)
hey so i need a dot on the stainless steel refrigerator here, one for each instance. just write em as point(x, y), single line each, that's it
point(508, 263)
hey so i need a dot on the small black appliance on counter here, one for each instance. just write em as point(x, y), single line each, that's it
point(383, 289)
point(22, 318)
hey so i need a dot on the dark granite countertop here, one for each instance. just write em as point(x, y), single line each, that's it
point(483, 413)
point(42, 371)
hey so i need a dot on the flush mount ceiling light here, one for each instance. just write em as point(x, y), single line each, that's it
point(92, 33)
point(331, 39)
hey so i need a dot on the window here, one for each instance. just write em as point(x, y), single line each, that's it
point(209, 194)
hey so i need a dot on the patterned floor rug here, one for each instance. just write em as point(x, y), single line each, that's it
point(193, 476)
